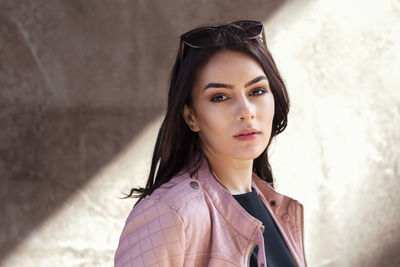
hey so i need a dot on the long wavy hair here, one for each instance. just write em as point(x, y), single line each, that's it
point(176, 143)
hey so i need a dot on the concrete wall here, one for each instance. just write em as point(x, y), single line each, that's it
point(83, 88)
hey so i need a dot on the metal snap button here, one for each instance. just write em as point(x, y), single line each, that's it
point(272, 203)
point(194, 184)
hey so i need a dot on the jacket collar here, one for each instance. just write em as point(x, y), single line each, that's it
point(225, 203)
point(279, 206)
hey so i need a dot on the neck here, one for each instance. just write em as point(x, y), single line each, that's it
point(234, 174)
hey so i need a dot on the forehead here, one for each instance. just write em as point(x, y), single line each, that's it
point(229, 67)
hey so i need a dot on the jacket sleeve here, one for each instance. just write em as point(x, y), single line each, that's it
point(153, 235)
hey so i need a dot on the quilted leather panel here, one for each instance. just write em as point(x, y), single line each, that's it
point(153, 236)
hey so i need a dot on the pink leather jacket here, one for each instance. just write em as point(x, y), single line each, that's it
point(196, 222)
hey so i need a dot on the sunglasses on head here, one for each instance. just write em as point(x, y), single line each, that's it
point(201, 37)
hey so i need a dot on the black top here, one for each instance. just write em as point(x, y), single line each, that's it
point(276, 250)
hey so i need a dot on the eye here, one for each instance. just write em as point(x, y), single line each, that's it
point(218, 98)
point(258, 91)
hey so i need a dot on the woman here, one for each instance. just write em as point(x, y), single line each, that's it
point(209, 199)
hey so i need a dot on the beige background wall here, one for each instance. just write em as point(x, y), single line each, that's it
point(83, 88)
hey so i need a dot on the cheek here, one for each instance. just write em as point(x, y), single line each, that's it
point(269, 109)
point(213, 121)
point(266, 113)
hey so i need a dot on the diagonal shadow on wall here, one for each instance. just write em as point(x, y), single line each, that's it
point(78, 80)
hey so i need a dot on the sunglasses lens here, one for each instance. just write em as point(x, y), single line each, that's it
point(200, 37)
point(252, 28)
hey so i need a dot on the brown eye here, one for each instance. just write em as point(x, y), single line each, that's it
point(258, 91)
point(218, 98)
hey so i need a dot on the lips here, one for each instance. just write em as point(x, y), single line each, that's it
point(248, 131)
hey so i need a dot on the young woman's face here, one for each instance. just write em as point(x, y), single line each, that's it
point(231, 95)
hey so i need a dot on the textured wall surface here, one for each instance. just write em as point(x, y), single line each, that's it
point(83, 88)
point(341, 153)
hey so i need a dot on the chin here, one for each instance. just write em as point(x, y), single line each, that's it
point(249, 154)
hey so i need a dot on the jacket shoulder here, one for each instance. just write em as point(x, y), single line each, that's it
point(153, 233)
point(178, 191)
point(157, 221)
point(270, 192)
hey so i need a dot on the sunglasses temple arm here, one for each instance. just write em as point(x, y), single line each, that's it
point(263, 36)
point(181, 47)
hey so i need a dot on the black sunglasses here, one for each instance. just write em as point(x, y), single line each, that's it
point(201, 37)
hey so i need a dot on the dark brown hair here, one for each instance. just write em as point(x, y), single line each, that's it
point(176, 144)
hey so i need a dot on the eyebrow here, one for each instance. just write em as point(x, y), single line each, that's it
point(230, 86)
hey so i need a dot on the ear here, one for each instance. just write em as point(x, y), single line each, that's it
point(190, 118)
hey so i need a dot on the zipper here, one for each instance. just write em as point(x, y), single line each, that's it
point(251, 252)
point(254, 245)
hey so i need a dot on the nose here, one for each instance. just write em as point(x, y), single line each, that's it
point(245, 110)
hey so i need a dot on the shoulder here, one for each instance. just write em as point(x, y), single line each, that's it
point(168, 206)
point(173, 213)
point(172, 196)
point(159, 221)
point(275, 198)
point(178, 191)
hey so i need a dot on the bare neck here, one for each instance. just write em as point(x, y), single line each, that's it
point(234, 174)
